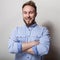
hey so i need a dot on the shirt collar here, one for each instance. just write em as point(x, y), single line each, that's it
point(32, 26)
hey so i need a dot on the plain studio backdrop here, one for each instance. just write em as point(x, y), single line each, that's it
point(11, 16)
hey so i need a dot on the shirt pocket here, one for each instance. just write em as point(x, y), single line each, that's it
point(22, 38)
point(35, 38)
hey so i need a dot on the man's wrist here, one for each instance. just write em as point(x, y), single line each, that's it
point(35, 50)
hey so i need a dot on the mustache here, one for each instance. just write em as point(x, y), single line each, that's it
point(28, 18)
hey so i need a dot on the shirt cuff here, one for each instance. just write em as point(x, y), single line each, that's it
point(35, 49)
point(19, 47)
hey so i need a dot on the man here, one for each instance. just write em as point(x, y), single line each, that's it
point(30, 41)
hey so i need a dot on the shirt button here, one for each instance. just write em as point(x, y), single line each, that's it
point(28, 57)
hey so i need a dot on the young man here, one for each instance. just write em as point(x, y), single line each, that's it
point(30, 41)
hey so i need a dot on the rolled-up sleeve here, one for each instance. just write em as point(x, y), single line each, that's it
point(44, 44)
point(35, 50)
point(14, 46)
point(43, 47)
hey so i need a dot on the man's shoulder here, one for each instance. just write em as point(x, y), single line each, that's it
point(21, 28)
point(40, 27)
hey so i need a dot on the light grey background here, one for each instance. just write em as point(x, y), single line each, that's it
point(11, 16)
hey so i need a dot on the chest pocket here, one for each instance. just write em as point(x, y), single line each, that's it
point(22, 38)
point(34, 38)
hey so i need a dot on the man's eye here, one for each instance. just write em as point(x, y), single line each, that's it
point(31, 12)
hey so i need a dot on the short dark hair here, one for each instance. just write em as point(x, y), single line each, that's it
point(31, 3)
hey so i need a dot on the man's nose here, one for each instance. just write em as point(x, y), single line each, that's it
point(28, 15)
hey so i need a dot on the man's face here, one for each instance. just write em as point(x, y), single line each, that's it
point(29, 14)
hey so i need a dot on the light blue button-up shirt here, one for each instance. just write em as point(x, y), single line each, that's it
point(28, 34)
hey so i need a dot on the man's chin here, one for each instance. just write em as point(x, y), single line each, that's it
point(28, 25)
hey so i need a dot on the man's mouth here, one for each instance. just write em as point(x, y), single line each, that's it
point(28, 19)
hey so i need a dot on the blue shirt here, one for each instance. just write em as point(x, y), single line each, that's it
point(28, 34)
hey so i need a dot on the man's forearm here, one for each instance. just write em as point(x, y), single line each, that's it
point(29, 51)
point(28, 45)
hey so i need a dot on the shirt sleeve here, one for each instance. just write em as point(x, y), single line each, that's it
point(14, 46)
point(35, 50)
point(43, 47)
point(44, 40)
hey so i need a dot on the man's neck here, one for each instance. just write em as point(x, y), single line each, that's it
point(31, 24)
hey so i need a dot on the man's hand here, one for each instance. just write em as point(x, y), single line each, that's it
point(29, 51)
point(28, 45)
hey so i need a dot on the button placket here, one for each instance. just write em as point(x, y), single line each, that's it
point(28, 57)
point(28, 34)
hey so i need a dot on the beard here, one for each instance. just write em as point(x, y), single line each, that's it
point(28, 25)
